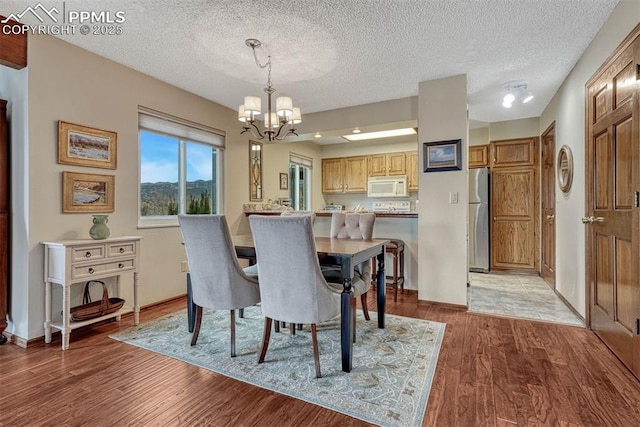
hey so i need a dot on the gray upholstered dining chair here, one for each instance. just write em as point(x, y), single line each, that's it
point(252, 270)
point(217, 280)
point(292, 287)
point(355, 226)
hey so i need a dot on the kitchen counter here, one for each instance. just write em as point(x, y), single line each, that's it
point(389, 214)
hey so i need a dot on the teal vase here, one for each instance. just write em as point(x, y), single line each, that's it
point(99, 230)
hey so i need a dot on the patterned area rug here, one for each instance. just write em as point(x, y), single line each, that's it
point(392, 368)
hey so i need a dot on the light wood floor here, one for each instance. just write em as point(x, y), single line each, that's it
point(491, 371)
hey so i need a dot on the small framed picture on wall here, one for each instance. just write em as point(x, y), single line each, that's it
point(284, 181)
point(442, 156)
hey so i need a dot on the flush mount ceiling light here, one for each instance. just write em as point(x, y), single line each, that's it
point(516, 90)
point(380, 134)
point(317, 135)
point(356, 130)
point(285, 113)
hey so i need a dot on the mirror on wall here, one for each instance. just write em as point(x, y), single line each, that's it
point(255, 171)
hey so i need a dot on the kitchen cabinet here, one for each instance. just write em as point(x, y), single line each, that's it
point(389, 164)
point(412, 170)
point(478, 156)
point(514, 152)
point(514, 205)
point(344, 175)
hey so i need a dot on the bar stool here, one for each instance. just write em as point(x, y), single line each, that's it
point(396, 248)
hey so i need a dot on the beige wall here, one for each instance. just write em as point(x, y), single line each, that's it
point(567, 109)
point(514, 129)
point(479, 136)
point(71, 84)
point(442, 250)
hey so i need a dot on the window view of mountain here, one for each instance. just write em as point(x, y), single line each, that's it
point(161, 198)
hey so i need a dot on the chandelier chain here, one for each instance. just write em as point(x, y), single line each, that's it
point(267, 64)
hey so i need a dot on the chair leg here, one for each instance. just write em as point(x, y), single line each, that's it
point(196, 328)
point(353, 319)
point(276, 326)
point(374, 276)
point(365, 309)
point(395, 276)
point(233, 333)
point(265, 339)
point(402, 272)
point(316, 352)
point(292, 328)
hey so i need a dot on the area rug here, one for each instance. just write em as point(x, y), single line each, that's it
point(392, 368)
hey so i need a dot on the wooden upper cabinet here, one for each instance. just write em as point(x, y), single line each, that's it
point(412, 170)
point(478, 156)
point(514, 152)
point(387, 164)
point(344, 175)
point(332, 175)
point(355, 174)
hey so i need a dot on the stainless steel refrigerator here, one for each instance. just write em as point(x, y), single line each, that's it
point(479, 220)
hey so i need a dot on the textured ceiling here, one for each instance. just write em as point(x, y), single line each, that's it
point(329, 54)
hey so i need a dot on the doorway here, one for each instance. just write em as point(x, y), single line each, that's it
point(548, 199)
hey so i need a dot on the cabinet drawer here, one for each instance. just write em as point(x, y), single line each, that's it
point(87, 271)
point(85, 253)
point(121, 249)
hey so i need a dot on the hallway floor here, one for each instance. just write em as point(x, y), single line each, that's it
point(520, 296)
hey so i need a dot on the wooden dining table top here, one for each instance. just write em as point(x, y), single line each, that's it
point(326, 245)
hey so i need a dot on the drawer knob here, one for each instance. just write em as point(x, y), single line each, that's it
point(91, 270)
point(121, 250)
point(87, 254)
point(120, 265)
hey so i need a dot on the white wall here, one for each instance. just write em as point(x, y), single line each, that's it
point(71, 84)
point(567, 109)
point(13, 88)
point(442, 115)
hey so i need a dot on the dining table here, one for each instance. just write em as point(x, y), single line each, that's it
point(349, 253)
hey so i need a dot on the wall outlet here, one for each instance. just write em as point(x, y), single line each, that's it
point(453, 197)
point(184, 266)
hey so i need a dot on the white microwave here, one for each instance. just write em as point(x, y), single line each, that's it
point(387, 186)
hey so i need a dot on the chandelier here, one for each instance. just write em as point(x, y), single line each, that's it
point(274, 122)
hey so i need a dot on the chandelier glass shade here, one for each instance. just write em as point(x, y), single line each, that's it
point(285, 115)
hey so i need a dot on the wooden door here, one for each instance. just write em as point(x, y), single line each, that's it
point(412, 171)
point(332, 175)
point(478, 156)
point(612, 215)
point(514, 205)
point(396, 164)
point(548, 199)
point(355, 174)
point(378, 165)
point(514, 211)
point(4, 219)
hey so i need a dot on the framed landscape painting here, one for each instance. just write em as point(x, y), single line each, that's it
point(442, 156)
point(83, 192)
point(85, 146)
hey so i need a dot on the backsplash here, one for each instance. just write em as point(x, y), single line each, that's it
point(352, 200)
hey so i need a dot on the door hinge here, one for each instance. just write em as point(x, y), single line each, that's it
point(636, 201)
point(637, 71)
point(637, 326)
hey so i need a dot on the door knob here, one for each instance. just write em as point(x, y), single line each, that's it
point(598, 219)
point(587, 220)
point(551, 216)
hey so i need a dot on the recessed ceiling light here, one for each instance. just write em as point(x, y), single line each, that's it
point(356, 130)
point(380, 134)
point(317, 135)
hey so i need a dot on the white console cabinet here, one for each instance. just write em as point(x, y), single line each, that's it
point(78, 261)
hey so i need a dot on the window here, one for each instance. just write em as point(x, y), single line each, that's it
point(180, 169)
point(300, 182)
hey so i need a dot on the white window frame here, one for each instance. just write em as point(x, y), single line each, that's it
point(306, 162)
point(183, 131)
